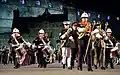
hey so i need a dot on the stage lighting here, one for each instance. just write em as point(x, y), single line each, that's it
point(78, 13)
point(22, 1)
point(89, 14)
point(117, 18)
point(108, 17)
point(98, 16)
point(3, 1)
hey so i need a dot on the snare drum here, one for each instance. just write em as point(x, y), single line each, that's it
point(113, 54)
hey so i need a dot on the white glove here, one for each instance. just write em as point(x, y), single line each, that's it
point(98, 35)
point(39, 46)
point(63, 36)
point(80, 29)
point(33, 46)
point(71, 38)
point(28, 44)
point(95, 31)
point(114, 49)
point(106, 38)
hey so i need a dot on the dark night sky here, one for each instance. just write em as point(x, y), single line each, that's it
point(106, 6)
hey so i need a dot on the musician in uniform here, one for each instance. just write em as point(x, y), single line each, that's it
point(83, 41)
point(15, 40)
point(99, 46)
point(65, 46)
point(40, 43)
point(74, 44)
point(110, 43)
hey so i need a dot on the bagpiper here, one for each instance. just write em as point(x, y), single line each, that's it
point(83, 41)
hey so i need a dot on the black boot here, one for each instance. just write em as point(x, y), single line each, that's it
point(17, 66)
point(103, 68)
point(45, 65)
point(63, 66)
point(111, 64)
point(79, 68)
point(95, 66)
point(70, 68)
point(38, 65)
point(90, 69)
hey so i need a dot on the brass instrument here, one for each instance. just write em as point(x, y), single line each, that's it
point(66, 34)
point(63, 41)
point(82, 34)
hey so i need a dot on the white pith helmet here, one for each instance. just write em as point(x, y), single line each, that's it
point(41, 31)
point(66, 22)
point(84, 15)
point(109, 30)
point(15, 30)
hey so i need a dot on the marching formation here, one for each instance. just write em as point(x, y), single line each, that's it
point(83, 42)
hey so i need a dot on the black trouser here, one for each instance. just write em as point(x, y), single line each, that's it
point(15, 59)
point(80, 56)
point(108, 59)
point(74, 52)
point(89, 52)
point(41, 60)
point(5, 59)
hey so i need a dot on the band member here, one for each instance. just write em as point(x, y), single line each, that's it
point(110, 43)
point(83, 41)
point(40, 43)
point(74, 45)
point(99, 48)
point(46, 36)
point(65, 46)
point(18, 52)
point(50, 53)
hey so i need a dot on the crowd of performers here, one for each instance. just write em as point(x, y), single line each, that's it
point(83, 42)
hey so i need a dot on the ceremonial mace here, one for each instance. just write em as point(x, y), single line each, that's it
point(94, 23)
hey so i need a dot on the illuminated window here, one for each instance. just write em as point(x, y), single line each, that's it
point(98, 16)
point(22, 1)
point(3, 1)
point(78, 12)
point(61, 7)
point(118, 18)
point(50, 5)
point(108, 17)
point(38, 2)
